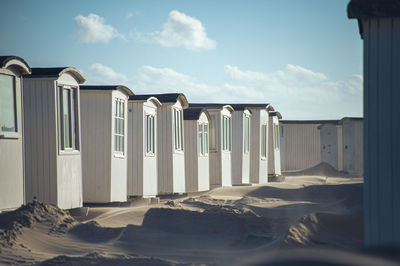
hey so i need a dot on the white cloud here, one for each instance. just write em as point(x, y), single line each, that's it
point(99, 74)
point(297, 92)
point(91, 29)
point(182, 30)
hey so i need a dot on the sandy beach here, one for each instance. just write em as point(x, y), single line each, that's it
point(226, 226)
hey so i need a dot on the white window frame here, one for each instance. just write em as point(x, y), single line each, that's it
point(16, 133)
point(226, 133)
point(202, 139)
point(119, 130)
point(276, 136)
point(149, 131)
point(212, 135)
point(178, 129)
point(246, 139)
point(264, 138)
point(73, 101)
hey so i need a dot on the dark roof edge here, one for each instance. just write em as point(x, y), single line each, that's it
point(24, 67)
point(108, 87)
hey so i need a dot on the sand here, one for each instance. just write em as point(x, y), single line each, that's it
point(226, 226)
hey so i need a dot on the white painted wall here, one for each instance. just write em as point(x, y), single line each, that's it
point(11, 154)
point(274, 156)
point(329, 145)
point(352, 146)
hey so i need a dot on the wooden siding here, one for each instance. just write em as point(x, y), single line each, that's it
point(240, 160)
point(381, 131)
point(40, 116)
point(300, 146)
point(11, 157)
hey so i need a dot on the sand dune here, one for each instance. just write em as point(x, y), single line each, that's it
point(225, 226)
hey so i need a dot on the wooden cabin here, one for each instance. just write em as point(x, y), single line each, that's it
point(197, 159)
point(53, 168)
point(104, 142)
point(11, 132)
point(170, 140)
point(274, 145)
point(220, 141)
point(142, 146)
point(379, 25)
point(241, 147)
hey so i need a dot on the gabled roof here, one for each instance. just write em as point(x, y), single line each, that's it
point(193, 113)
point(56, 72)
point(275, 113)
point(242, 106)
point(6, 61)
point(107, 88)
point(164, 98)
point(144, 98)
point(307, 121)
point(218, 106)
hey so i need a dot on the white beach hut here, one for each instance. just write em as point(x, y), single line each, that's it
point(11, 131)
point(170, 140)
point(220, 141)
point(379, 26)
point(104, 141)
point(241, 124)
point(142, 143)
point(274, 145)
point(197, 160)
point(53, 168)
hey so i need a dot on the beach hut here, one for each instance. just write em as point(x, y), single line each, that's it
point(197, 160)
point(142, 146)
point(379, 25)
point(53, 168)
point(104, 142)
point(274, 158)
point(259, 142)
point(220, 141)
point(11, 131)
point(170, 140)
point(241, 125)
point(352, 145)
point(331, 144)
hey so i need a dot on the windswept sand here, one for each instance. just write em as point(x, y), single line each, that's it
point(234, 225)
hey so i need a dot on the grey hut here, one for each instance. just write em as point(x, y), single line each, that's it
point(53, 168)
point(352, 145)
point(197, 160)
point(11, 132)
point(331, 144)
point(274, 145)
point(104, 142)
point(220, 143)
point(241, 147)
point(379, 24)
point(142, 143)
point(170, 140)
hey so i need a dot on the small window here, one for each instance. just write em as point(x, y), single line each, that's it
point(68, 118)
point(200, 139)
point(226, 133)
point(205, 135)
point(246, 134)
point(149, 134)
point(119, 126)
point(178, 129)
point(276, 136)
point(213, 145)
point(8, 107)
point(264, 141)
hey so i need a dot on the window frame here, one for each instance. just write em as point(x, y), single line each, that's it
point(246, 139)
point(202, 139)
point(226, 133)
point(119, 114)
point(74, 124)
point(178, 129)
point(149, 143)
point(264, 138)
point(12, 134)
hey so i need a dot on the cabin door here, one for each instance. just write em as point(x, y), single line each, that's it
point(329, 145)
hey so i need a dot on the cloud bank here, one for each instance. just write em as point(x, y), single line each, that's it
point(92, 29)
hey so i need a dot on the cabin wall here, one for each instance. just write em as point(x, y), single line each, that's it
point(277, 151)
point(96, 145)
point(381, 131)
point(255, 147)
point(191, 156)
point(11, 156)
point(215, 154)
point(165, 149)
point(300, 146)
point(352, 146)
point(204, 161)
point(237, 147)
point(40, 137)
point(329, 145)
point(178, 160)
point(226, 156)
point(263, 172)
point(149, 177)
point(271, 152)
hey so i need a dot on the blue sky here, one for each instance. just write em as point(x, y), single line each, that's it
point(304, 56)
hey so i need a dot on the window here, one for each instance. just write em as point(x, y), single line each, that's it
point(246, 134)
point(119, 126)
point(149, 134)
point(178, 130)
point(202, 141)
point(226, 133)
point(264, 141)
point(8, 110)
point(213, 145)
point(276, 136)
point(69, 124)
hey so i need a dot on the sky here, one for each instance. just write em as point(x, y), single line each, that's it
point(304, 57)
